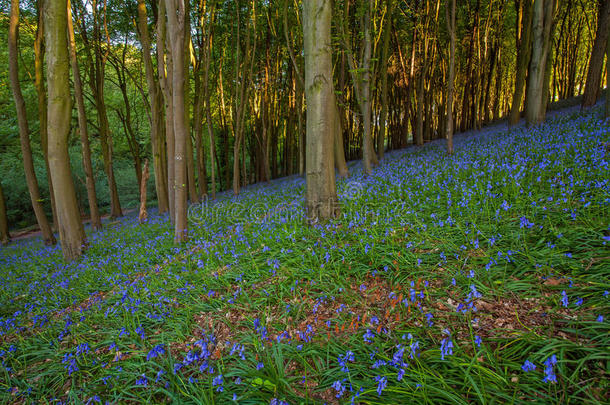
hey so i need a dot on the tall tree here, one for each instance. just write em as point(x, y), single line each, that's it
point(24, 131)
point(524, 53)
point(156, 118)
point(596, 62)
point(5, 236)
point(361, 74)
point(321, 197)
point(97, 71)
point(542, 22)
point(450, 14)
point(42, 97)
point(71, 230)
point(94, 212)
point(176, 15)
point(607, 109)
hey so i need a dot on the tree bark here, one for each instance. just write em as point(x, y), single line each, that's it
point(156, 121)
point(383, 71)
point(71, 230)
point(321, 196)
point(5, 236)
point(176, 27)
point(542, 22)
point(24, 131)
point(42, 99)
point(143, 215)
point(607, 109)
point(96, 222)
point(451, 76)
point(592, 86)
point(524, 52)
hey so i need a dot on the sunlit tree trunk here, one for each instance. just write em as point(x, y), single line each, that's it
point(96, 222)
point(24, 131)
point(450, 13)
point(542, 23)
point(383, 71)
point(5, 236)
point(321, 196)
point(176, 26)
point(524, 52)
point(71, 230)
point(42, 98)
point(607, 109)
point(596, 62)
point(156, 119)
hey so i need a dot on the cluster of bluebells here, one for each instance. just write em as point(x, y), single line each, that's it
point(141, 284)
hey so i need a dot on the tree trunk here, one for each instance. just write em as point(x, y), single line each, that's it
point(607, 109)
point(451, 76)
point(143, 215)
point(321, 195)
point(524, 52)
point(383, 71)
point(5, 236)
point(156, 121)
point(596, 62)
point(24, 131)
point(71, 230)
point(176, 27)
point(542, 22)
point(96, 222)
point(42, 99)
point(340, 162)
point(164, 71)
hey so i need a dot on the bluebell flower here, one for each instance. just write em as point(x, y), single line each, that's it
point(446, 348)
point(382, 382)
point(564, 298)
point(155, 352)
point(528, 366)
point(549, 372)
point(142, 380)
point(478, 340)
point(217, 382)
point(339, 387)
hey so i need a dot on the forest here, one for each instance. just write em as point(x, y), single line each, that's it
point(316, 201)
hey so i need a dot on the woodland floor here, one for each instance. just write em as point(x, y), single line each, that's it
point(481, 277)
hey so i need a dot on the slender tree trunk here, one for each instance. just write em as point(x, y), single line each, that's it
point(164, 63)
point(156, 121)
point(321, 195)
point(451, 76)
point(143, 215)
point(24, 131)
point(42, 100)
point(96, 222)
point(607, 109)
point(596, 62)
point(5, 236)
point(198, 106)
point(383, 71)
point(542, 23)
point(340, 162)
point(71, 230)
point(176, 27)
point(524, 52)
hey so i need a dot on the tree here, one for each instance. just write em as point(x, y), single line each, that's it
point(542, 22)
point(156, 119)
point(94, 212)
point(321, 197)
point(524, 52)
point(5, 236)
point(596, 62)
point(176, 29)
point(71, 230)
point(450, 14)
point(24, 131)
